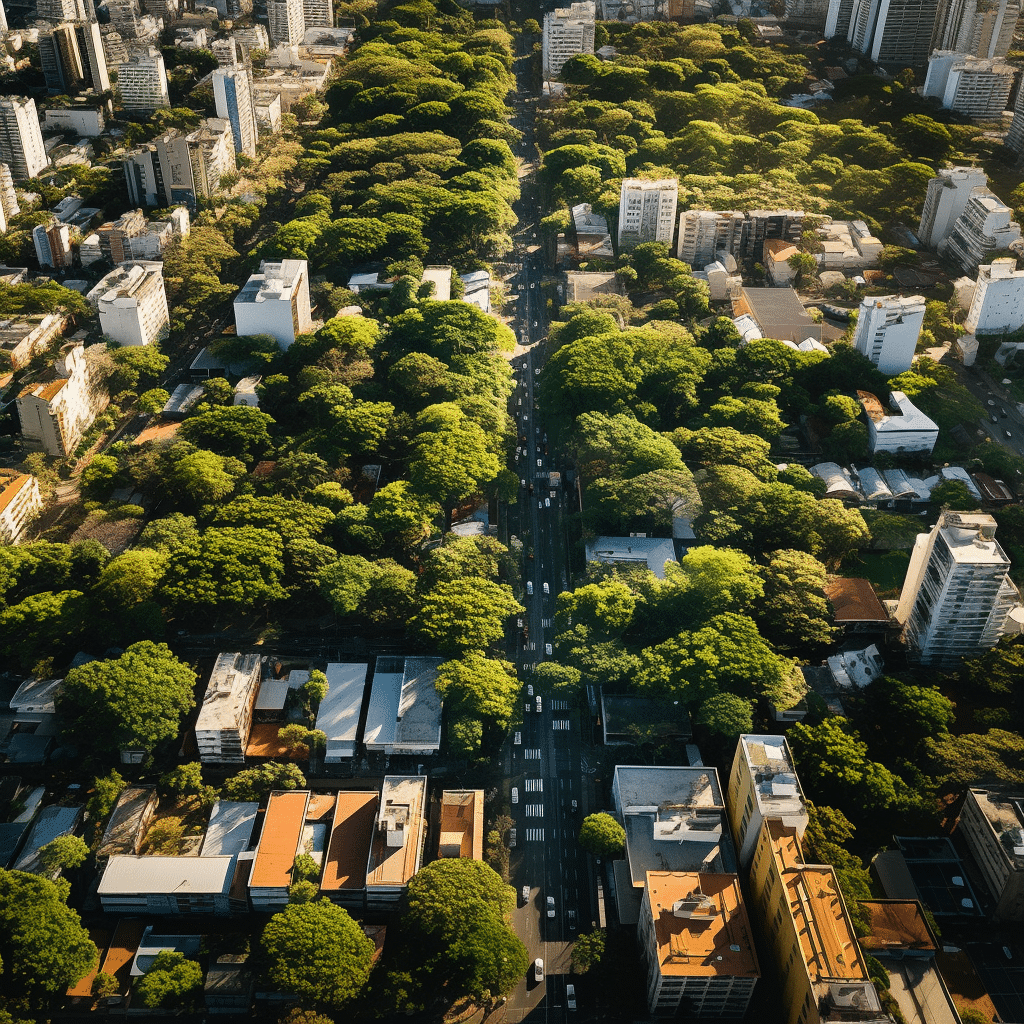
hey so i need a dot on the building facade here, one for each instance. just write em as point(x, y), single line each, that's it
point(985, 226)
point(317, 13)
point(957, 593)
point(704, 234)
point(142, 81)
point(132, 303)
point(898, 426)
point(979, 28)
point(992, 824)
point(998, 303)
point(159, 173)
point(887, 331)
point(568, 31)
point(21, 140)
point(973, 86)
point(647, 211)
point(211, 151)
point(275, 301)
point(893, 31)
point(52, 243)
point(20, 500)
point(232, 91)
point(286, 22)
point(944, 201)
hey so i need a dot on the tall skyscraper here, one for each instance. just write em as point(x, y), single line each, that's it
point(94, 61)
point(892, 31)
point(837, 20)
point(647, 211)
point(568, 31)
point(945, 200)
point(21, 141)
point(986, 225)
point(318, 13)
point(61, 10)
point(72, 58)
point(286, 21)
point(142, 81)
point(888, 327)
point(232, 91)
point(978, 28)
point(957, 594)
point(972, 86)
point(159, 173)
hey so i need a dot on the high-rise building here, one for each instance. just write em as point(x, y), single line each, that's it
point(945, 200)
point(978, 28)
point(229, 52)
point(61, 10)
point(971, 86)
point(3, 18)
point(1015, 136)
point(762, 225)
point(703, 234)
point(568, 31)
point(159, 173)
point(888, 327)
point(893, 31)
point(72, 58)
point(142, 81)
point(286, 22)
point(132, 303)
point(275, 301)
point(318, 13)
point(957, 593)
point(647, 211)
point(986, 225)
point(992, 825)
point(20, 500)
point(8, 196)
point(52, 244)
point(94, 60)
point(21, 140)
point(212, 154)
point(698, 944)
point(998, 303)
point(232, 91)
point(115, 237)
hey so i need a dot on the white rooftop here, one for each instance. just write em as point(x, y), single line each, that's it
point(229, 680)
point(653, 552)
point(776, 782)
point(161, 875)
point(230, 828)
point(909, 417)
point(36, 695)
point(970, 537)
point(274, 283)
point(338, 716)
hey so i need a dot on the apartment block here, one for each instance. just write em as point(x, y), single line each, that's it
point(116, 237)
point(20, 500)
point(568, 31)
point(973, 86)
point(268, 111)
point(957, 593)
point(697, 941)
point(998, 303)
point(55, 413)
point(704, 234)
point(837, 19)
point(317, 13)
point(762, 225)
point(763, 784)
point(229, 53)
point(211, 150)
point(232, 91)
point(809, 934)
point(132, 303)
point(647, 211)
point(21, 140)
point(992, 825)
point(222, 728)
point(986, 225)
point(396, 851)
point(978, 28)
point(275, 301)
point(159, 173)
point(142, 81)
point(946, 198)
point(25, 337)
point(72, 58)
point(897, 425)
point(286, 22)
point(893, 31)
point(61, 10)
point(887, 330)
point(52, 243)
point(1015, 135)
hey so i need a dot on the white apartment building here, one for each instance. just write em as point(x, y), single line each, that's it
point(318, 13)
point(268, 111)
point(52, 243)
point(21, 140)
point(142, 81)
point(945, 200)
point(847, 245)
point(568, 31)
point(893, 31)
point(992, 825)
point(973, 86)
point(132, 303)
point(253, 37)
point(211, 151)
point(225, 718)
point(837, 18)
point(986, 225)
point(957, 593)
point(275, 301)
point(54, 414)
point(20, 500)
point(61, 10)
point(888, 327)
point(998, 303)
point(286, 21)
point(979, 28)
point(232, 92)
point(703, 234)
point(647, 211)
point(899, 426)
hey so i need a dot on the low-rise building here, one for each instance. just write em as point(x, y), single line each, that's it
point(132, 303)
point(268, 110)
point(225, 717)
point(777, 254)
point(126, 827)
point(280, 843)
point(173, 885)
point(396, 851)
point(593, 237)
point(51, 823)
point(339, 712)
point(654, 552)
point(855, 605)
point(623, 715)
point(847, 245)
point(404, 715)
point(276, 302)
point(778, 313)
point(992, 826)
point(229, 830)
point(698, 944)
point(52, 242)
point(899, 426)
point(343, 880)
point(462, 824)
point(20, 501)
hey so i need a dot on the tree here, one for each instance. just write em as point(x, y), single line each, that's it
point(605, 609)
point(550, 677)
point(974, 759)
point(171, 981)
point(479, 689)
point(316, 951)
point(204, 477)
point(953, 494)
point(132, 702)
point(43, 947)
point(726, 715)
point(314, 689)
point(587, 952)
point(899, 716)
point(803, 265)
point(238, 431)
point(467, 615)
point(43, 624)
point(255, 783)
point(602, 835)
point(105, 792)
point(63, 852)
point(303, 892)
point(795, 613)
point(187, 780)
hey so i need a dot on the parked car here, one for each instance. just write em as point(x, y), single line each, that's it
point(538, 969)
point(529, 587)
point(547, 591)
point(518, 740)
point(515, 794)
point(511, 837)
point(551, 906)
point(570, 996)
point(526, 894)
point(540, 706)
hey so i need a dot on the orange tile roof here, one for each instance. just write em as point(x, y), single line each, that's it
point(123, 947)
point(897, 924)
point(12, 483)
point(855, 600)
point(156, 432)
point(279, 841)
point(45, 392)
point(83, 989)
point(320, 806)
point(349, 847)
point(780, 249)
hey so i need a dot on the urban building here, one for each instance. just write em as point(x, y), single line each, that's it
point(897, 426)
point(568, 31)
point(317, 14)
point(275, 301)
point(55, 413)
point(763, 784)
point(338, 715)
point(20, 500)
point(978, 28)
point(280, 842)
point(51, 823)
point(343, 880)
point(893, 31)
point(229, 52)
point(21, 140)
point(837, 19)
point(3, 19)
point(211, 151)
point(132, 303)
point(232, 91)
point(159, 173)
point(957, 593)
point(22, 339)
point(72, 58)
point(998, 303)
point(973, 86)
point(127, 824)
point(462, 824)
point(887, 330)
point(396, 848)
point(142, 81)
point(809, 933)
point(699, 948)
point(172, 885)
point(9, 206)
point(992, 825)
point(285, 21)
point(117, 237)
point(252, 37)
point(222, 728)
point(61, 10)
point(404, 715)
point(190, 37)
point(87, 121)
point(986, 225)
point(761, 225)
point(52, 243)
point(267, 106)
point(777, 255)
point(946, 198)
point(1015, 135)
point(704, 234)
point(647, 211)
point(847, 245)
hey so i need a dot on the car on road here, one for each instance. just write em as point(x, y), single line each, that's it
point(540, 504)
point(572, 920)
point(548, 591)
point(551, 906)
point(540, 705)
point(548, 650)
point(529, 587)
point(540, 462)
point(528, 708)
point(547, 503)
point(1007, 433)
point(570, 996)
point(529, 690)
point(538, 969)
point(536, 372)
point(575, 810)
point(991, 402)
point(526, 894)
point(512, 836)
point(518, 741)
point(524, 366)
point(993, 417)
point(515, 794)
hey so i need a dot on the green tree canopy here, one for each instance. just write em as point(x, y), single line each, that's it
point(63, 852)
point(602, 835)
point(255, 783)
point(171, 981)
point(466, 615)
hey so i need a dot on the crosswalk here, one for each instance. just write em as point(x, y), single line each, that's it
point(535, 810)
point(560, 724)
point(531, 754)
point(535, 835)
point(559, 705)
point(533, 785)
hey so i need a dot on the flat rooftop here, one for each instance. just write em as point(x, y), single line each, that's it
point(462, 824)
point(348, 850)
point(279, 841)
point(970, 538)
point(338, 716)
point(1005, 814)
point(405, 710)
point(230, 828)
point(227, 691)
point(775, 780)
point(129, 875)
point(652, 552)
point(780, 314)
point(701, 925)
point(897, 925)
point(399, 821)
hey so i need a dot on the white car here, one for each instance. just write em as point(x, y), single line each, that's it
point(529, 587)
point(538, 969)
point(515, 794)
point(540, 705)
point(551, 906)
point(540, 504)
point(570, 996)
point(529, 690)
point(526, 894)
point(547, 503)
point(547, 650)
point(546, 590)
point(518, 741)
point(540, 462)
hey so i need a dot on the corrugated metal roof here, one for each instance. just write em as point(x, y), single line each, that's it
point(166, 875)
point(230, 828)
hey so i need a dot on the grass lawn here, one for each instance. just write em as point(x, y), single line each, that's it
point(885, 569)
